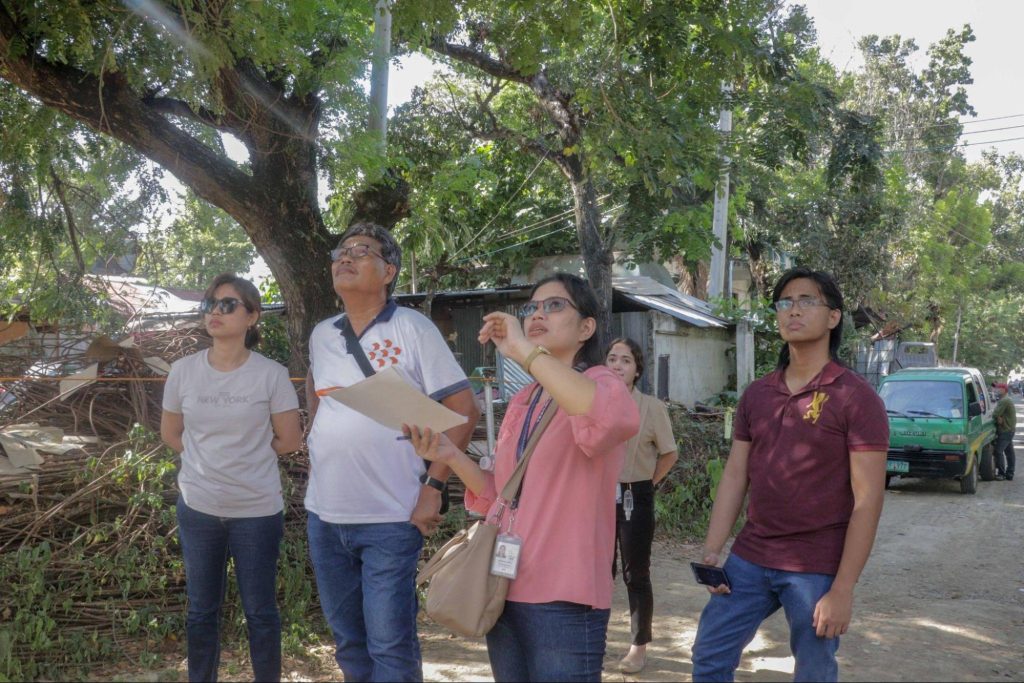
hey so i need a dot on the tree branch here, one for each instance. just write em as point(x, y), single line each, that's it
point(484, 62)
point(110, 106)
point(58, 187)
point(175, 107)
point(557, 103)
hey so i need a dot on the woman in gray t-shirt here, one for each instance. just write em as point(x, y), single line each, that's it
point(230, 412)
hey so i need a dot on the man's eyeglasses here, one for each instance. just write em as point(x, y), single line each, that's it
point(802, 303)
point(227, 305)
point(356, 251)
point(551, 305)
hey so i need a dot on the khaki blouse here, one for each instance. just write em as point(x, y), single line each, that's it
point(654, 439)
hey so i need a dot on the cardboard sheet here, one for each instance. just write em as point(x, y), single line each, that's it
point(78, 380)
point(388, 399)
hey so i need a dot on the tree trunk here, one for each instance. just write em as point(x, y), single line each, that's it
point(597, 257)
point(275, 201)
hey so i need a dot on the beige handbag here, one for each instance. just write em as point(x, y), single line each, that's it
point(463, 594)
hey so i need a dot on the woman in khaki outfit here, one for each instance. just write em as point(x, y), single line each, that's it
point(649, 457)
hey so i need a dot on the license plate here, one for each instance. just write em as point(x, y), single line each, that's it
point(897, 466)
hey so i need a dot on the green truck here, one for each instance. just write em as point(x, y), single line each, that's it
point(940, 425)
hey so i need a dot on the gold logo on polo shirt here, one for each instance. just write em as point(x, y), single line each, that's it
point(814, 410)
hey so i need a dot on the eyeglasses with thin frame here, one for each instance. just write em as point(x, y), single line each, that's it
point(356, 251)
point(803, 303)
point(552, 304)
point(227, 305)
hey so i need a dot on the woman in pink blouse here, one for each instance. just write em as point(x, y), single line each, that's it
point(556, 617)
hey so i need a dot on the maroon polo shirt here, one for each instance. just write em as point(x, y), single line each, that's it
point(798, 471)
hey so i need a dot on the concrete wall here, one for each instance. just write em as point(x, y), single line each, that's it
point(701, 360)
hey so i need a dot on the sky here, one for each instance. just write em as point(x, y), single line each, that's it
point(998, 88)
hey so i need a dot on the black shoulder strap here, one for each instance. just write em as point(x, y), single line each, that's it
point(353, 346)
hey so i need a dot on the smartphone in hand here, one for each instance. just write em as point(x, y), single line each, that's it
point(709, 575)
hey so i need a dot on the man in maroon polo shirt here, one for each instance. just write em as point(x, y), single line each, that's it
point(809, 447)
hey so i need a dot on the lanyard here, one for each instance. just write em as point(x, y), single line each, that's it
point(527, 430)
point(524, 438)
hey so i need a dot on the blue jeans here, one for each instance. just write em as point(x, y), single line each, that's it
point(366, 576)
point(1006, 458)
point(729, 622)
point(551, 641)
point(254, 543)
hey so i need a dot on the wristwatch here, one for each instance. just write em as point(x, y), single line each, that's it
point(428, 480)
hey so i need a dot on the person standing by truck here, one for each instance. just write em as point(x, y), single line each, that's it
point(1005, 416)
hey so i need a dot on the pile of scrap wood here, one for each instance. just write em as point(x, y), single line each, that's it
point(86, 544)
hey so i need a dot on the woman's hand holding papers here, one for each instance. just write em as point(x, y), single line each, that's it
point(437, 447)
point(431, 445)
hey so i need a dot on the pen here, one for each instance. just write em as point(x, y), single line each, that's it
point(402, 438)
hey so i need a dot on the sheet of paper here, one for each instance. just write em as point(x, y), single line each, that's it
point(388, 399)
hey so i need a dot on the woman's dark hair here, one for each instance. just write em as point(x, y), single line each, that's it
point(634, 348)
point(582, 295)
point(833, 297)
point(250, 297)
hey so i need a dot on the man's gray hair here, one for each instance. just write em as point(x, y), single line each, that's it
point(389, 249)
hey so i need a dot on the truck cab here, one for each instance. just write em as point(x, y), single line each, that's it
point(940, 425)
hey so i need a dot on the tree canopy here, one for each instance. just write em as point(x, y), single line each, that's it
point(580, 127)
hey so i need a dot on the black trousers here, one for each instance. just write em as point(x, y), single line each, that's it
point(633, 548)
point(1006, 458)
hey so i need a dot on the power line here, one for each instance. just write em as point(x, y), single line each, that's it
point(511, 246)
point(970, 132)
point(532, 239)
point(959, 122)
point(547, 221)
point(498, 212)
point(962, 144)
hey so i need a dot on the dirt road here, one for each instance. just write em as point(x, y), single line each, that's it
point(942, 598)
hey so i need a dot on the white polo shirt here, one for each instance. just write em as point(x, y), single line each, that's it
point(360, 473)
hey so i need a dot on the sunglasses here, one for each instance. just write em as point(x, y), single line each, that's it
point(227, 305)
point(356, 251)
point(550, 305)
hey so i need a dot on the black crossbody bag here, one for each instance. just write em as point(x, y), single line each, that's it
point(353, 346)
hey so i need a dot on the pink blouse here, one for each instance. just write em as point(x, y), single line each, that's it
point(566, 515)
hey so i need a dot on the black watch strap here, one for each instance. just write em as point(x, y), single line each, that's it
point(428, 480)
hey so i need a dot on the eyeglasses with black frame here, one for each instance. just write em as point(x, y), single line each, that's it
point(552, 304)
point(227, 305)
point(803, 303)
point(356, 251)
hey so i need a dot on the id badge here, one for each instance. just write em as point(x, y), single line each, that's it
point(505, 560)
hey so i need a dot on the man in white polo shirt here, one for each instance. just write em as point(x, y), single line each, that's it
point(370, 498)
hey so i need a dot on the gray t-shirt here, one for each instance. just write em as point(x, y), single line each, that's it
point(228, 467)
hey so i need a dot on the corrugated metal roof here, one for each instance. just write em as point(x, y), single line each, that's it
point(651, 293)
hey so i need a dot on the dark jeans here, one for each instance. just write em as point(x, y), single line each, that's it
point(366, 576)
point(254, 543)
point(634, 538)
point(550, 641)
point(1006, 459)
point(729, 622)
